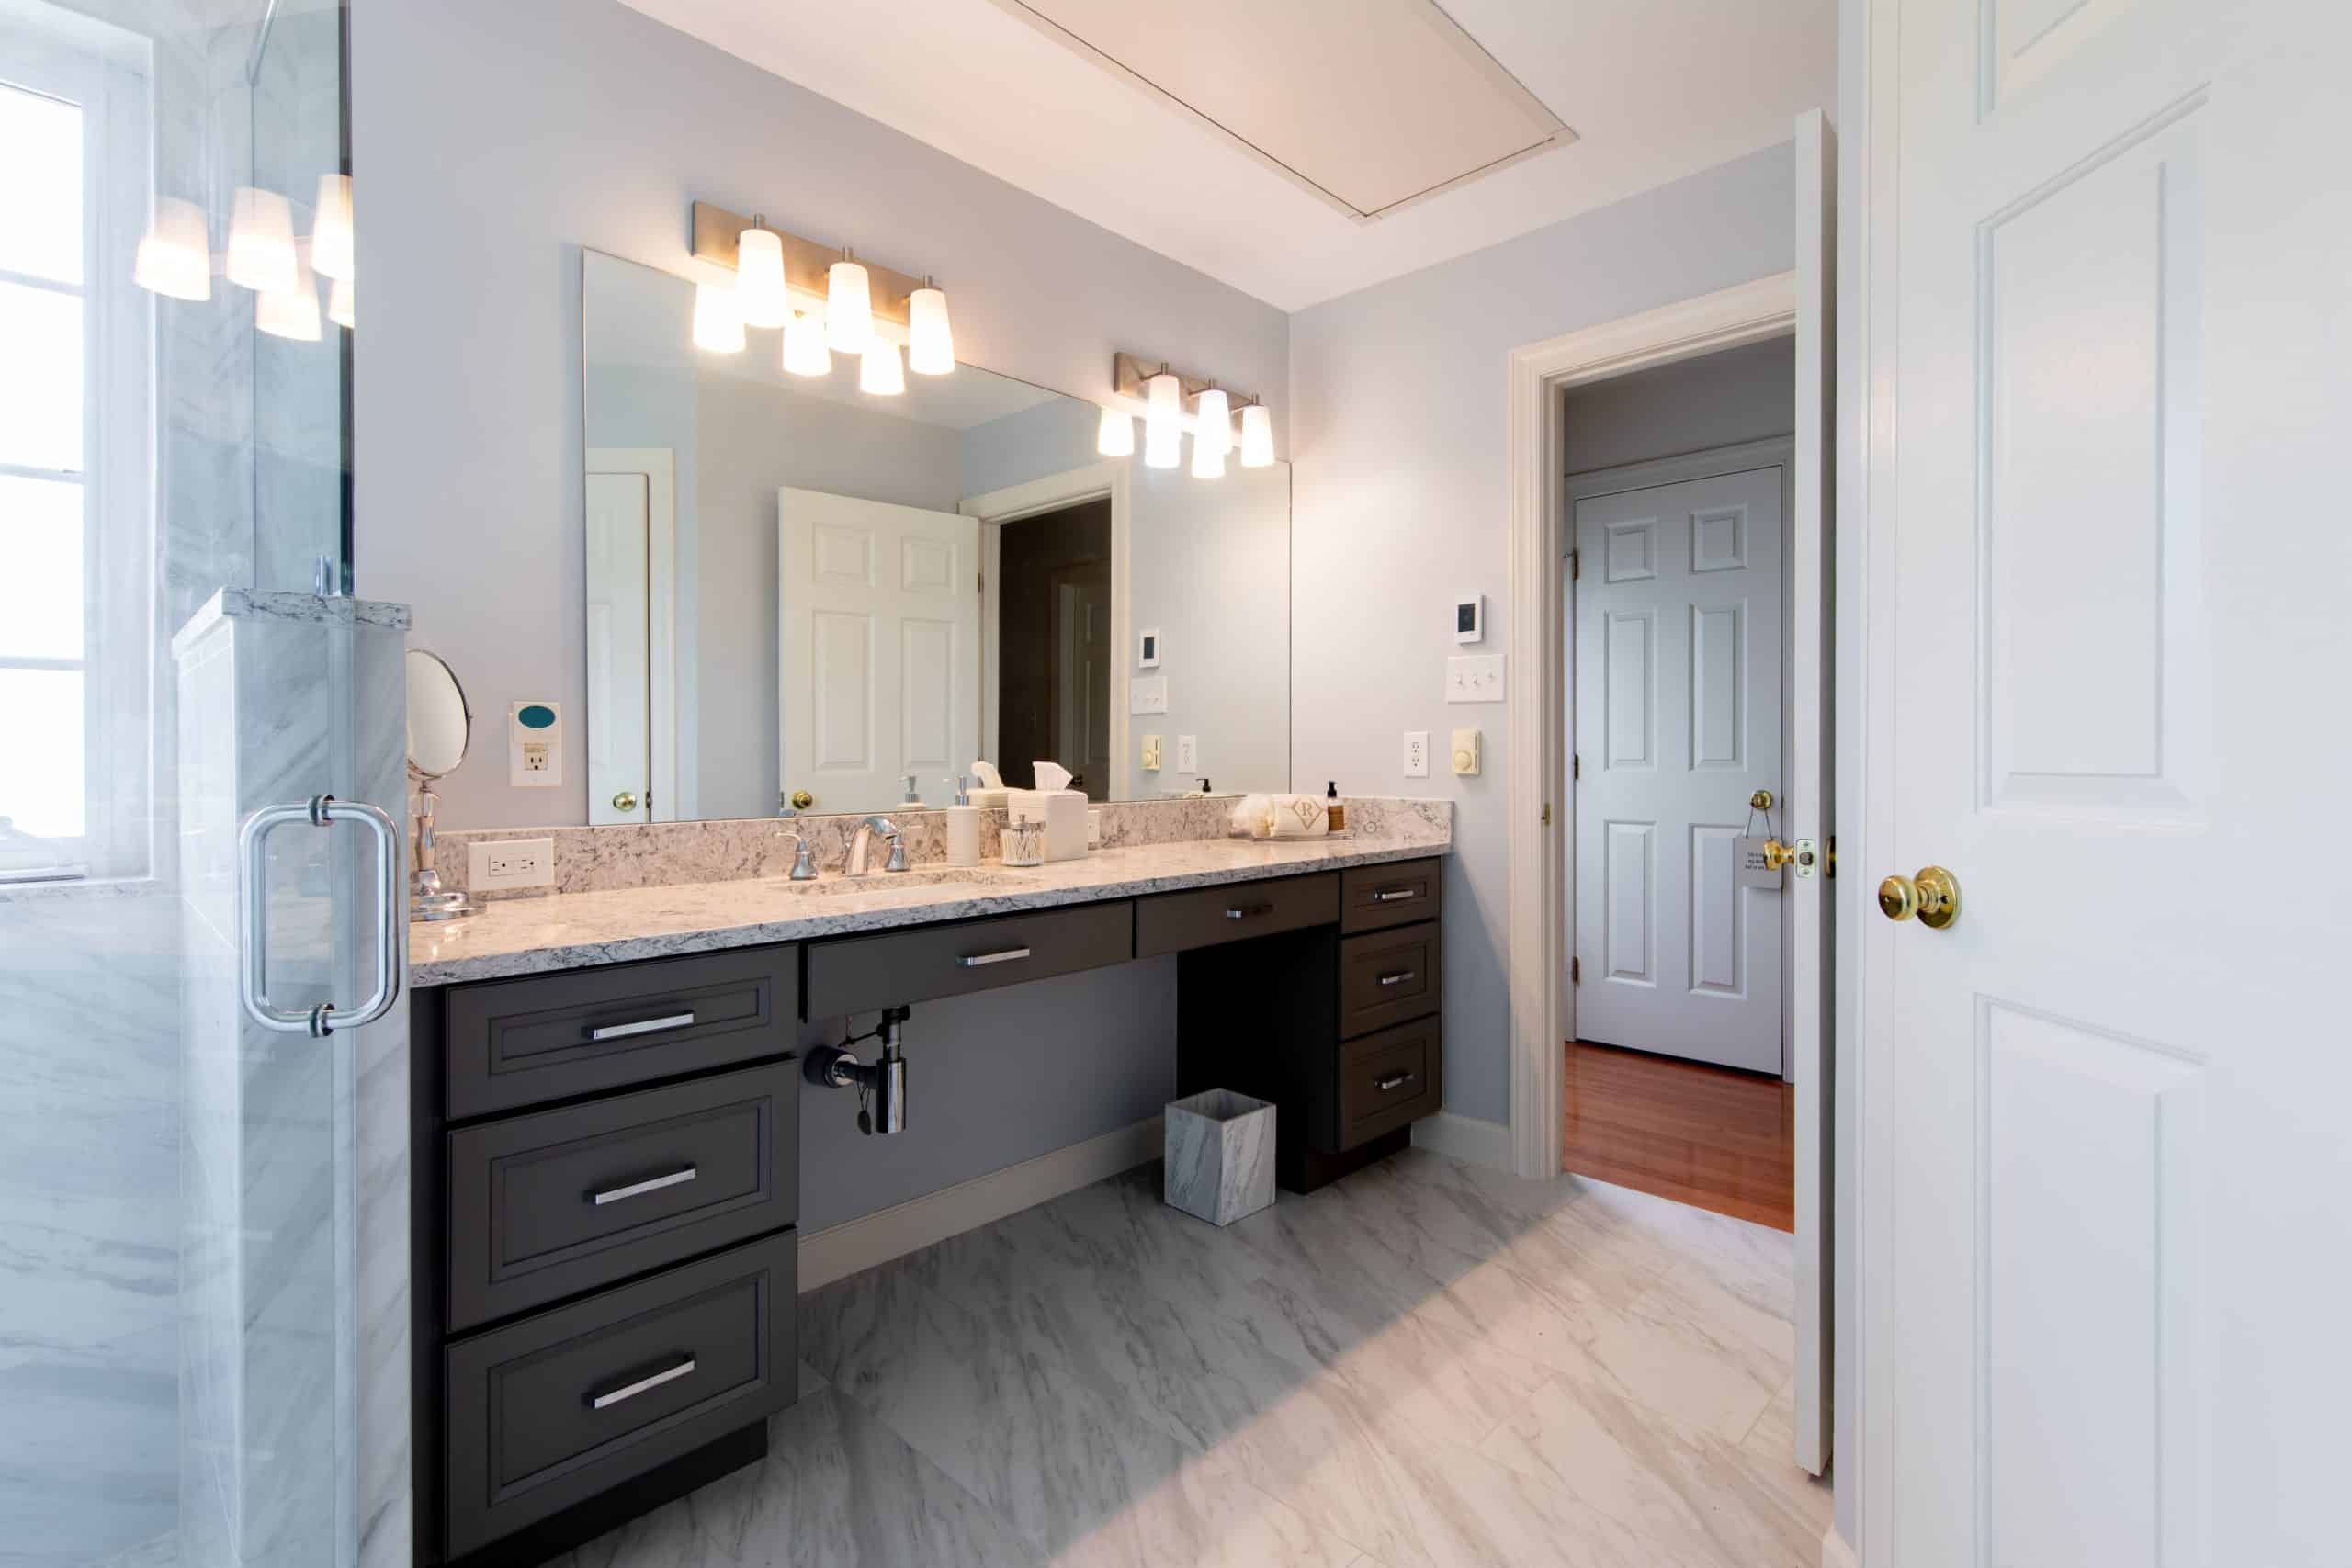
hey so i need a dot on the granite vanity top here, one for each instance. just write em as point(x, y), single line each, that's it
point(572, 931)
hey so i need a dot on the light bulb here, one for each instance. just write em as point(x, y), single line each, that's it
point(330, 244)
point(1208, 463)
point(1257, 437)
point(1163, 418)
point(1162, 451)
point(1214, 429)
point(176, 256)
point(339, 302)
point(1116, 436)
point(292, 314)
point(805, 353)
point(718, 319)
point(261, 242)
point(759, 279)
point(848, 309)
point(931, 343)
point(880, 373)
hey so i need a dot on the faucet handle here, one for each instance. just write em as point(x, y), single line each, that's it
point(804, 862)
point(898, 861)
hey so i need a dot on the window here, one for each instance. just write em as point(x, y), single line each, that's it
point(75, 508)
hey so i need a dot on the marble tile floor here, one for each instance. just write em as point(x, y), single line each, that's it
point(1428, 1364)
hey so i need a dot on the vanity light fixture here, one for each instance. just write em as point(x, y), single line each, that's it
point(1208, 463)
point(718, 319)
point(805, 353)
point(1257, 436)
point(175, 255)
point(931, 342)
point(1116, 436)
point(849, 308)
point(261, 243)
point(1215, 430)
point(291, 313)
point(331, 241)
point(1172, 400)
point(759, 277)
point(1163, 419)
point(339, 302)
point(880, 373)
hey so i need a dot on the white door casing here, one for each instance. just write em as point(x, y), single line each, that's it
point(668, 728)
point(2105, 1246)
point(878, 648)
point(1678, 718)
point(619, 670)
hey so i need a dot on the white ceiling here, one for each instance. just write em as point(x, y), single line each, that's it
point(1654, 90)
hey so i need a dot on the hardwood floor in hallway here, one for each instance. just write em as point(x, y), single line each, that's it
point(1712, 1137)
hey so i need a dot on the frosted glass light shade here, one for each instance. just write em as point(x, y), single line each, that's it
point(331, 242)
point(1257, 437)
point(805, 353)
point(931, 342)
point(1214, 429)
point(292, 314)
point(879, 372)
point(1163, 415)
point(848, 309)
point(759, 279)
point(261, 242)
point(1208, 463)
point(176, 256)
point(1162, 451)
point(1116, 436)
point(718, 319)
point(339, 302)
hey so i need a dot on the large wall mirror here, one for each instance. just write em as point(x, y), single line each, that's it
point(797, 587)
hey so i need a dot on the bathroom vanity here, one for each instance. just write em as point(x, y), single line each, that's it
point(606, 1098)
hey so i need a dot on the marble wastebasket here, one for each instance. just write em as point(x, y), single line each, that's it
point(1220, 1162)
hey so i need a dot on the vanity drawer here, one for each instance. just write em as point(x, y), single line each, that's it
point(860, 974)
point(515, 1042)
point(556, 1409)
point(1372, 898)
point(547, 1205)
point(1175, 922)
point(1387, 978)
point(1390, 1079)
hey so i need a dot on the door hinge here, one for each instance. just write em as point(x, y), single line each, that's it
point(1830, 861)
point(1575, 971)
point(1576, 565)
point(1576, 766)
point(1547, 814)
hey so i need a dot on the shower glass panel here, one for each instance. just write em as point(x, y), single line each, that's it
point(177, 1341)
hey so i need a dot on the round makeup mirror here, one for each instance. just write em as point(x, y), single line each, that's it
point(439, 726)
point(439, 723)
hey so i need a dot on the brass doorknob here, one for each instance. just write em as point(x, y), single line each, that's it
point(1933, 896)
point(1778, 854)
point(1761, 801)
point(802, 800)
point(624, 801)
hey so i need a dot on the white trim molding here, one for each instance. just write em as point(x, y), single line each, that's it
point(1748, 312)
point(1834, 1552)
point(1465, 1138)
point(838, 1251)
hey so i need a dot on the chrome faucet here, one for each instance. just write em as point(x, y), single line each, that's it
point(804, 860)
point(854, 857)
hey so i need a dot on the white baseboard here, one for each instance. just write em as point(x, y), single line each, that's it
point(838, 1251)
point(1834, 1552)
point(1465, 1138)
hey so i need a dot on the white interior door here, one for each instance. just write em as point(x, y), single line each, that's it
point(619, 669)
point(2108, 631)
point(1678, 620)
point(879, 648)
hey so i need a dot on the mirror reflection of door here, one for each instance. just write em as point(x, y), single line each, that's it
point(619, 669)
point(1054, 642)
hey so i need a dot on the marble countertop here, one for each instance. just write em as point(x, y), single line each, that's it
point(573, 931)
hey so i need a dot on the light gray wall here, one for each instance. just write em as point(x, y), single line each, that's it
point(1719, 399)
point(1400, 446)
point(493, 141)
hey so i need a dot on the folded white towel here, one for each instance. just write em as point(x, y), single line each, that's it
point(1299, 817)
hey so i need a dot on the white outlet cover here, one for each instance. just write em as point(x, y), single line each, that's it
point(535, 745)
point(1188, 753)
point(510, 863)
point(1473, 678)
point(1147, 693)
point(1416, 754)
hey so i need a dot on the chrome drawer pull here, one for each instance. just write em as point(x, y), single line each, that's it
point(1243, 911)
point(638, 1189)
point(1393, 1081)
point(1392, 895)
point(975, 961)
point(642, 1026)
point(631, 1390)
point(1398, 978)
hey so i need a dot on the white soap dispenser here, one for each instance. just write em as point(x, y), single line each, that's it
point(963, 825)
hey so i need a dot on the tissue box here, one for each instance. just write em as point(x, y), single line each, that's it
point(1063, 811)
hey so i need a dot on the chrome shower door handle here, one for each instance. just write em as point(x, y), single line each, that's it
point(253, 967)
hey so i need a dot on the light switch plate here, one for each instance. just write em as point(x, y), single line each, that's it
point(1188, 754)
point(1473, 678)
point(510, 863)
point(1147, 693)
point(1151, 753)
point(1465, 749)
point(1416, 754)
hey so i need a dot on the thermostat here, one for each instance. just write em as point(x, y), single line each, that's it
point(1470, 618)
point(533, 746)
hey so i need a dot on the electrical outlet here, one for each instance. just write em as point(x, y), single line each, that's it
point(510, 863)
point(534, 757)
point(1188, 753)
point(1473, 678)
point(533, 746)
point(1151, 753)
point(1416, 754)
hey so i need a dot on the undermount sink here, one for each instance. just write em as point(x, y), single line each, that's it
point(834, 881)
